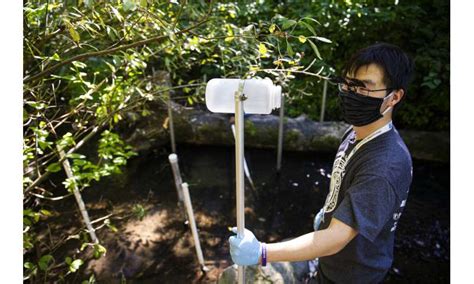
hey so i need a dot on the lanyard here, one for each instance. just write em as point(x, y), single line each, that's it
point(384, 129)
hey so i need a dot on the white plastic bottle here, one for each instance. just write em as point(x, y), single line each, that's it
point(262, 95)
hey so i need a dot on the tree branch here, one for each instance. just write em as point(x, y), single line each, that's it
point(108, 51)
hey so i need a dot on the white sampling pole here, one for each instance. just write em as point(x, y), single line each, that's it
point(219, 99)
point(246, 168)
point(171, 123)
point(239, 169)
point(323, 103)
point(280, 133)
point(192, 223)
point(173, 158)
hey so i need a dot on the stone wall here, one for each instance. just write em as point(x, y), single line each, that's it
point(195, 126)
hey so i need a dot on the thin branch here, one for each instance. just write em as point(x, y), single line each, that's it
point(86, 55)
point(297, 71)
point(311, 64)
point(101, 218)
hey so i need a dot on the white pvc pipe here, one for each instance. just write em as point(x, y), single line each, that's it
point(171, 124)
point(246, 168)
point(192, 223)
point(173, 158)
point(280, 133)
point(323, 104)
point(239, 170)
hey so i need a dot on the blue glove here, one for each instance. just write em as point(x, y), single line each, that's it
point(245, 250)
point(317, 219)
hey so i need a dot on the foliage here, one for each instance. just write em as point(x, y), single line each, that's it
point(89, 63)
point(420, 27)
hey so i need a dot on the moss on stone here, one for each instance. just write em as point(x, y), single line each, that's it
point(292, 139)
point(324, 144)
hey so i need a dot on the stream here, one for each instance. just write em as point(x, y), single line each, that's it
point(159, 247)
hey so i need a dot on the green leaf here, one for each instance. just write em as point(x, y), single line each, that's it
point(288, 23)
point(309, 27)
point(271, 29)
point(53, 168)
point(79, 64)
point(139, 211)
point(117, 14)
point(75, 156)
point(323, 39)
point(311, 19)
point(74, 34)
point(74, 266)
point(144, 3)
point(44, 261)
point(315, 49)
point(29, 265)
point(45, 212)
point(302, 38)
point(89, 3)
point(289, 50)
point(120, 161)
point(99, 250)
point(129, 5)
point(262, 49)
point(83, 246)
point(190, 101)
point(55, 57)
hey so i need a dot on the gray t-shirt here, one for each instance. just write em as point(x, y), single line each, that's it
point(370, 198)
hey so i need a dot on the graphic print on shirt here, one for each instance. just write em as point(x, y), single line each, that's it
point(338, 171)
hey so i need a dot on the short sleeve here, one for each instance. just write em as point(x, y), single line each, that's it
point(367, 205)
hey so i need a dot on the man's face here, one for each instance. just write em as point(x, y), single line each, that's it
point(372, 76)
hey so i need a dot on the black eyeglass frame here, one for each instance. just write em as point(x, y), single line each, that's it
point(353, 84)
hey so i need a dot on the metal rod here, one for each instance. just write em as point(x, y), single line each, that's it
point(192, 223)
point(280, 133)
point(323, 104)
point(246, 168)
point(171, 124)
point(77, 195)
point(239, 170)
point(173, 158)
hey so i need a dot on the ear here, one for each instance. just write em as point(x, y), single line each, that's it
point(396, 98)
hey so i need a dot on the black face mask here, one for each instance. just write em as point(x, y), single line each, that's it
point(360, 110)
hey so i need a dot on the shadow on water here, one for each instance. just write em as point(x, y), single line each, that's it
point(283, 206)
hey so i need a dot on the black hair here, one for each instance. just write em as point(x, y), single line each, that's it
point(397, 66)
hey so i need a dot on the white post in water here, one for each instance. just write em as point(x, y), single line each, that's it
point(77, 195)
point(192, 224)
point(239, 169)
point(323, 104)
point(171, 125)
point(173, 158)
point(280, 133)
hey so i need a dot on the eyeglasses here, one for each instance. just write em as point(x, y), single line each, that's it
point(357, 86)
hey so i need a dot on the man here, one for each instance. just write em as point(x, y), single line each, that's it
point(371, 176)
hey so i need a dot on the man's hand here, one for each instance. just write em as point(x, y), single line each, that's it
point(245, 250)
